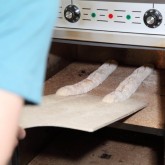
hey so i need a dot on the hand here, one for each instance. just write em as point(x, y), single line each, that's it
point(20, 135)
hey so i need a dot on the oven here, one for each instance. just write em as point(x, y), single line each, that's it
point(87, 33)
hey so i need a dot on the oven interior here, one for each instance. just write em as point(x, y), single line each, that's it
point(70, 63)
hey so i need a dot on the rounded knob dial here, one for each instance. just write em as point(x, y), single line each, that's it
point(72, 13)
point(152, 18)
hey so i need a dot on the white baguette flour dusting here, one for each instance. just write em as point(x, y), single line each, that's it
point(128, 87)
point(91, 82)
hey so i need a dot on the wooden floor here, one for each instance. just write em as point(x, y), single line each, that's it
point(108, 147)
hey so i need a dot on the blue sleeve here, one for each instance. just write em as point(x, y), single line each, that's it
point(25, 34)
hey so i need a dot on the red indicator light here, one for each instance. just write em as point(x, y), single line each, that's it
point(110, 16)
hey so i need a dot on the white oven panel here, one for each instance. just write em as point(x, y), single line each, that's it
point(90, 20)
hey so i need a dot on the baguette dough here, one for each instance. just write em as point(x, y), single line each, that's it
point(127, 87)
point(92, 81)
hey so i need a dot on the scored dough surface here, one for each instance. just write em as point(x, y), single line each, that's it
point(91, 82)
point(128, 87)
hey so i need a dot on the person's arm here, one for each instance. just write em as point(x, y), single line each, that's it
point(25, 38)
point(10, 107)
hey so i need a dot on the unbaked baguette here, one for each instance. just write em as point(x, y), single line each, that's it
point(91, 82)
point(127, 87)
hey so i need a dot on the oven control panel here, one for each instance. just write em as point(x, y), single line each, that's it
point(99, 16)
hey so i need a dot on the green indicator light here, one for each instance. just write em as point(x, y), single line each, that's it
point(128, 17)
point(93, 15)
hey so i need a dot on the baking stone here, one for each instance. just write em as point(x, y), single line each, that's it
point(82, 112)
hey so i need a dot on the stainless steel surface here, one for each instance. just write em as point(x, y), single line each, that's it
point(115, 22)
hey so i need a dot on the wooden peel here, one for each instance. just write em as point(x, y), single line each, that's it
point(83, 112)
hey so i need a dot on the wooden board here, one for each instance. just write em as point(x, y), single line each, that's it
point(83, 112)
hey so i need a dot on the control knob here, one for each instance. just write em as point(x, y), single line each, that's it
point(152, 18)
point(72, 13)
